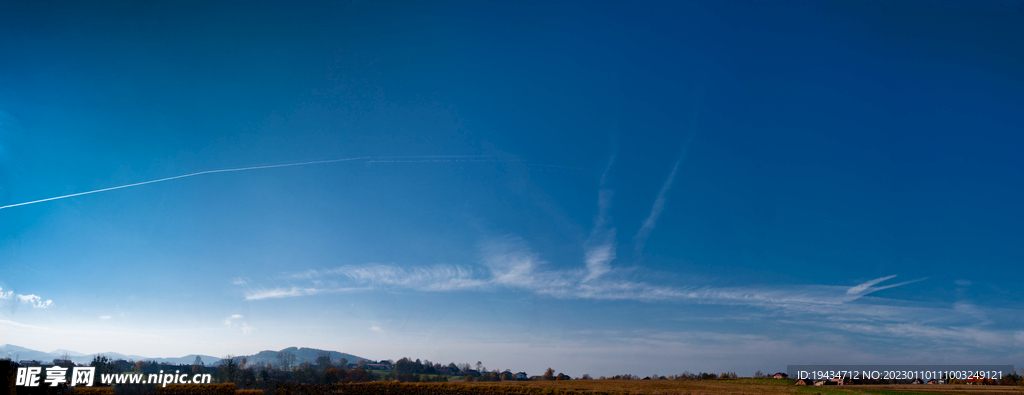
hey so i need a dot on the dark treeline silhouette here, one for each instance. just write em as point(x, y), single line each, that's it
point(270, 376)
point(686, 375)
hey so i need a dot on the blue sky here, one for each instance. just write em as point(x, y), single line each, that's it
point(597, 187)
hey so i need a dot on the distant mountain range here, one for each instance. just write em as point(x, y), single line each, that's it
point(301, 354)
point(17, 353)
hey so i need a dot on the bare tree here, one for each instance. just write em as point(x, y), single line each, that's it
point(197, 365)
point(228, 369)
point(323, 360)
point(285, 359)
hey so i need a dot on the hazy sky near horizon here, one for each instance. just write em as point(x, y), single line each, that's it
point(597, 187)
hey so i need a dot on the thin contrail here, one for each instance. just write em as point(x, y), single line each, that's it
point(450, 157)
point(468, 159)
point(659, 203)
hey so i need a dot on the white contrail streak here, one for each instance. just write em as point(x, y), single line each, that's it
point(440, 160)
point(659, 204)
point(450, 157)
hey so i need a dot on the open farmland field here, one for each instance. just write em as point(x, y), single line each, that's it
point(630, 387)
point(937, 389)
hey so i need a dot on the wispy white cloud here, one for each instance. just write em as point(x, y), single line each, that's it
point(511, 264)
point(859, 288)
point(35, 301)
point(233, 321)
point(964, 336)
point(599, 258)
point(659, 204)
point(32, 300)
point(508, 262)
point(434, 278)
point(869, 287)
point(104, 317)
point(600, 246)
point(640, 239)
point(281, 292)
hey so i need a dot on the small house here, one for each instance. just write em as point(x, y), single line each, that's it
point(977, 380)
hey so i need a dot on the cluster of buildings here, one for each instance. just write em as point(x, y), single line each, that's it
point(837, 381)
point(809, 382)
point(445, 370)
point(64, 363)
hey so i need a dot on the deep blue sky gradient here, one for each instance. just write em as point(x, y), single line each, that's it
point(820, 145)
